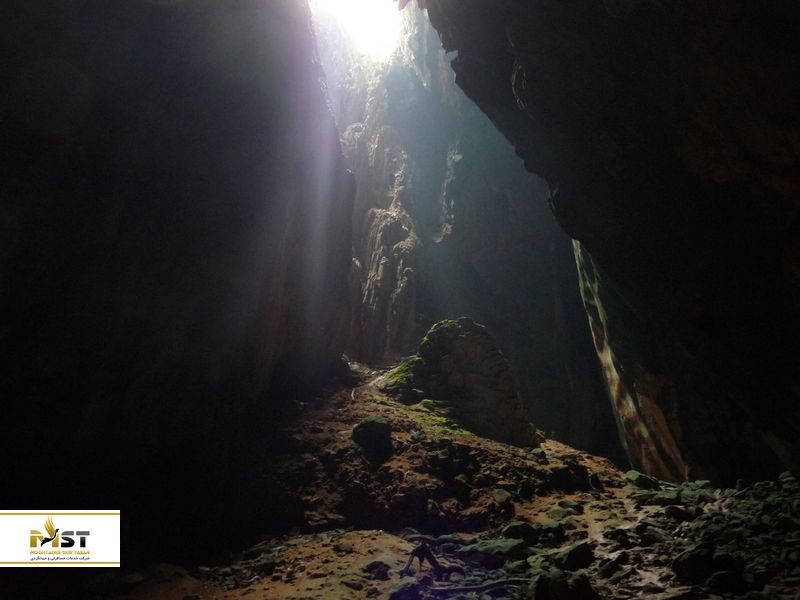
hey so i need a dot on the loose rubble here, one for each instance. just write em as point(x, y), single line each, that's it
point(381, 479)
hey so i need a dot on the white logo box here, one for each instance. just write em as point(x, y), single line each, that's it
point(84, 538)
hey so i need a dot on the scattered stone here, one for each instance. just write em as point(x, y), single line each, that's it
point(406, 589)
point(695, 564)
point(377, 569)
point(609, 567)
point(643, 498)
point(726, 582)
point(596, 483)
point(695, 492)
point(557, 512)
point(502, 497)
point(492, 553)
point(571, 505)
point(623, 536)
point(666, 497)
point(521, 530)
point(526, 489)
point(321, 520)
point(374, 436)
point(622, 575)
point(682, 593)
point(678, 513)
point(556, 585)
point(539, 454)
point(343, 547)
point(642, 481)
point(577, 556)
point(651, 588)
point(549, 533)
point(573, 477)
point(517, 567)
point(353, 584)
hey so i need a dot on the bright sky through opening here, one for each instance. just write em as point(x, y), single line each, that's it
point(372, 25)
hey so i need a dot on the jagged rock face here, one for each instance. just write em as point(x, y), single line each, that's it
point(460, 368)
point(670, 423)
point(447, 222)
point(176, 215)
point(380, 108)
point(389, 294)
point(664, 132)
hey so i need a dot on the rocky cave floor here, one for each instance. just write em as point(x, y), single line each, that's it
point(501, 522)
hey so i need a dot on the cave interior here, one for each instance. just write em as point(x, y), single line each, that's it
point(407, 299)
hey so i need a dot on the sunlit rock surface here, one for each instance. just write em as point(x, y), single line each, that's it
point(176, 225)
point(460, 373)
point(447, 222)
point(664, 131)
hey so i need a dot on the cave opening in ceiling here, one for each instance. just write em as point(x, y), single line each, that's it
point(372, 26)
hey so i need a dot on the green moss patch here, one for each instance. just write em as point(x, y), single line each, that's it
point(401, 377)
point(432, 414)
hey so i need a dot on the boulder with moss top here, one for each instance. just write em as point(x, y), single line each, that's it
point(459, 366)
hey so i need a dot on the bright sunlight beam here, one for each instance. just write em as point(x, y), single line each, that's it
point(372, 25)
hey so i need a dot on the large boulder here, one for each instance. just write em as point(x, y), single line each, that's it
point(460, 367)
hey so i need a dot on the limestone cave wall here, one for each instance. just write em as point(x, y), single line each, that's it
point(448, 223)
point(176, 248)
point(668, 135)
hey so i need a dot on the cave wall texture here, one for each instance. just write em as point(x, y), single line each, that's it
point(448, 223)
point(668, 134)
point(176, 248)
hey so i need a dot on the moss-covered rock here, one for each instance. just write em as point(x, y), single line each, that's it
point(400, 380)
point(492, 553)
point(643, 481)
point(459, 373)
